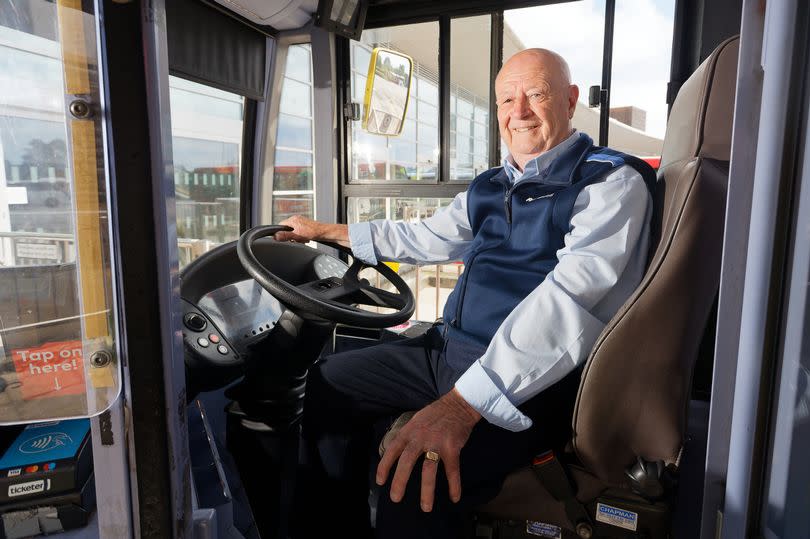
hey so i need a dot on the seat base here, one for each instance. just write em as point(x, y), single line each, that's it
point(525, 508)
point(613, 518)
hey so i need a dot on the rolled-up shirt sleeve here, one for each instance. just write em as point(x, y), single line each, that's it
point(553, 329)
point(442, 237)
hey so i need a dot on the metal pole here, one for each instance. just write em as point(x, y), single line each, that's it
point(444, 99)
point(735, 246)
point(607, 67)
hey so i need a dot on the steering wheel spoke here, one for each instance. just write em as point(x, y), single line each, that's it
point(331, 288)
point(347, 306)
point(377, 297)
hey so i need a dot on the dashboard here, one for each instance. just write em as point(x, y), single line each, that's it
point(226, 312)
point(241, 311)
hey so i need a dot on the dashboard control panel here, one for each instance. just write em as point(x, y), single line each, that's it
point(194, 321)
point(202, 337)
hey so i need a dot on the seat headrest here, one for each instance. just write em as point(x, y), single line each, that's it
point(700, 122)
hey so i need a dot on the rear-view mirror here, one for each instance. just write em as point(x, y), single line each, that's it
point(387, 91)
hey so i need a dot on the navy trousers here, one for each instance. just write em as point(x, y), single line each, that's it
point(351, 400)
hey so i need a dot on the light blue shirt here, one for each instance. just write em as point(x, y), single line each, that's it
point(601, 263)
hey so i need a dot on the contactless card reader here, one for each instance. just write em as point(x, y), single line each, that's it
point(47, 464)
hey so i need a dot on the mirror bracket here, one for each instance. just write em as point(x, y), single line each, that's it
point(351, 111)
point(594, 96)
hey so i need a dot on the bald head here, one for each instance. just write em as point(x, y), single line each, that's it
point(536, 102)
point(545, 58)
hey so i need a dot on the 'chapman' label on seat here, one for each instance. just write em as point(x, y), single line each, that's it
point(616, 516)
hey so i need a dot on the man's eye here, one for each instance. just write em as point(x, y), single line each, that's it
point(507, 100)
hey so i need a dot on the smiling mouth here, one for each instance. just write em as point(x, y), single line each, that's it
point(523, 129)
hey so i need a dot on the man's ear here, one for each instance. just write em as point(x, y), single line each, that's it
point(573, 96)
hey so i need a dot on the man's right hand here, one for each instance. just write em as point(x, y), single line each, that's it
point(306, 229)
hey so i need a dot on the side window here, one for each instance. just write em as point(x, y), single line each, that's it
point(431, 284)
point(638, 107)
point(414, 154)
point(469, 96)
point(552, 27)
point(639, 75)
point(207, 148)
point(294, 172)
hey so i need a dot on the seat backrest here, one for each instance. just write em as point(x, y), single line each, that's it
point(635, 388)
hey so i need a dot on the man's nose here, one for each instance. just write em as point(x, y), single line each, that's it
point(521, 107)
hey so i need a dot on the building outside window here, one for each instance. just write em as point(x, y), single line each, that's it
point(36, 199)
point(207, 147)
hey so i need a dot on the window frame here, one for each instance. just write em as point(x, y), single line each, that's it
point(247, 182)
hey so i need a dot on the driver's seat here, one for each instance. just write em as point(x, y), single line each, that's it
point(630, 415)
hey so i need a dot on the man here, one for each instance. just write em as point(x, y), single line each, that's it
point(553, 243)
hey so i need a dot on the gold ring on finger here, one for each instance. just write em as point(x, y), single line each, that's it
point(430, 454)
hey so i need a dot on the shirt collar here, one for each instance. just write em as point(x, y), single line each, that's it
point(539, 165)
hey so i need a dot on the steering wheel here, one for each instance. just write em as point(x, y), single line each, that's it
point(331, 298)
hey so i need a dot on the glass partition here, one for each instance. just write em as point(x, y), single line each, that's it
point(58, 350)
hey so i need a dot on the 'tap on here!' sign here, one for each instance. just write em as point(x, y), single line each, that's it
point(51, 370)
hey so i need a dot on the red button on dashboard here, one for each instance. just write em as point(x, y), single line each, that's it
point(214, 338)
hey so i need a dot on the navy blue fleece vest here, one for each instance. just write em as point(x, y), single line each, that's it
point(518, 230)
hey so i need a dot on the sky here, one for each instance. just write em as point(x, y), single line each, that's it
point(641, 48)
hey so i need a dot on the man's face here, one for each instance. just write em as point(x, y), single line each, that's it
point(535, 105)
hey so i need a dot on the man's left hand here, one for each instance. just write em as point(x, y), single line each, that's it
point(444, 427)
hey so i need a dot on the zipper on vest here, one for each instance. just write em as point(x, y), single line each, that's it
point(455, 321)
point(507, 199)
